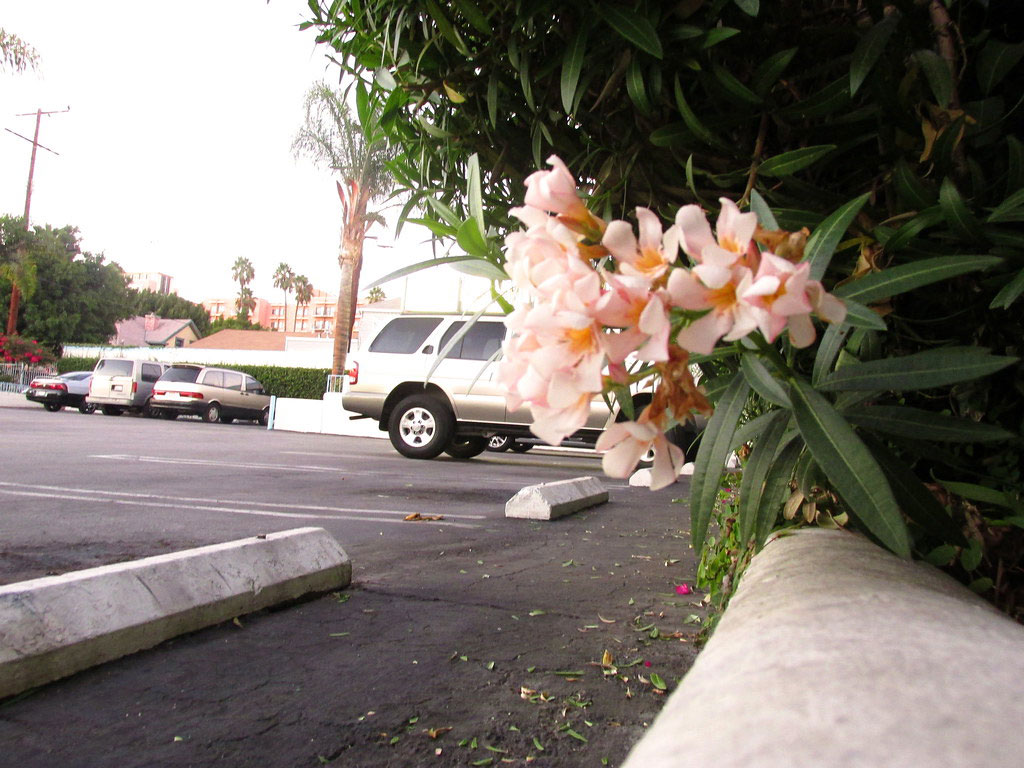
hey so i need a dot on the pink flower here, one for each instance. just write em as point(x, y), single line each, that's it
point(630, 305)
point(651, 255)
point(734, 232)
point(683, 589)
point(555, 191)
point(624, 444)
point(647, 663)
point(719, 283)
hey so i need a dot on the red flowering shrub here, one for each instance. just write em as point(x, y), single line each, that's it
point(15, 349)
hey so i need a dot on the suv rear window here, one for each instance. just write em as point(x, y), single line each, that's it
point(480, 342)
point(181, 374)
point(115, 367)
point(403, 335)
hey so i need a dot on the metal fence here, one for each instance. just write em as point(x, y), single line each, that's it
point(15, 377)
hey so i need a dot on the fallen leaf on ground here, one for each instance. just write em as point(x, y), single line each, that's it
point(436, 732)
point(416, 516)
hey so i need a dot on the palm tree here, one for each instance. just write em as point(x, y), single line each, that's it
point(375, 294)
point(16, 264)
point(284, 279)
point(243, 272)
point(303, 294)
point(333, 139)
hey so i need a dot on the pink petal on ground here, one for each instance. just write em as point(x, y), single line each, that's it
point(683, 589)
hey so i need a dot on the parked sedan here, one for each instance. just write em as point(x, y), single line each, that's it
point(54, 392)
point(215, 394)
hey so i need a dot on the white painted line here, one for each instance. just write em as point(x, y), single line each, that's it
point(215, 462)
point(142, 500)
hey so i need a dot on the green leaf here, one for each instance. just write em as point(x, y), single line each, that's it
point(776, 489)
point(924, 425)
point(833, 341)
point(958, 216)
point(635, 87)
point(697, 128)
point(429, 263)
point(473, 195)
point(657, 682)
point(756, 471)
point(471, 239)
point(633, 27)
point(444, 26)
point(1009, 293)
point(923, 370)
point(927, 218)
point(492, 99)
point(995, 62)
point(826, 236)
point(439, 229)
point(444, 212)
point(979, 493)
point(1007, 209)
point(970, 556)
point(916, 501)
point(914, 192)
point(936, 72)
point(789, 163)
point(849, 466)
point(733, 87)
point(474, 16)
point(572, 66)
point(762, 382)
point(869, 49)
point(860, 316)
point(719, 35)
point(670, 135)
point(480, 268)
point(749, 7)
point(771, 69)
point(763, 211)
point(714, 449)
point(906, 277)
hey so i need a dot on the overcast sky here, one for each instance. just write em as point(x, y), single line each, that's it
point(176, 154)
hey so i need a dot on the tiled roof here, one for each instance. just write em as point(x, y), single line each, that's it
point(133, 333)
point(235, 339)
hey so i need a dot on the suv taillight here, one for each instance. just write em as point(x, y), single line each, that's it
point(353, 373)
point(135, 387)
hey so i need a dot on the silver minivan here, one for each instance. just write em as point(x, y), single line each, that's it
point(120, 385)
point(215, 394)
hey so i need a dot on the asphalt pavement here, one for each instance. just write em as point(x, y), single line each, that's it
point(463, 639)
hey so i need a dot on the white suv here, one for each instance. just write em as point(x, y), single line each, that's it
point(459, 406)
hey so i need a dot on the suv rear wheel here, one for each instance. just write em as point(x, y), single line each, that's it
point(466, 447)
point(421, 427)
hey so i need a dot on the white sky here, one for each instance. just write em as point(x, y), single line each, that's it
point(176, 154)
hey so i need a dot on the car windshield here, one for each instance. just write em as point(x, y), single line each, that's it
point(181, 374)
point(115, 367)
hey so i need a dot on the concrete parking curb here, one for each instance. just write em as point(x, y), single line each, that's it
point(548, 501)
point(58, 625)
point(833, 652)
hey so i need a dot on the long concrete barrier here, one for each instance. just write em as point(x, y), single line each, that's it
point(834, 652)
point(58, 625)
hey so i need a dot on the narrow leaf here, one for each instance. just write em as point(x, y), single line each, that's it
point(572, 66)
point(428, 264)
point(919, 424)
point(473, 193)
point(929, 217)
point(923, 370)
point(869, 49)
point(763, 211)
point(914, 192)
point(850, 467)
point(995, 62)
point(471, 239)
point(826, 236)
point(697, 128)
point(719, 35)
point(906, 277)
point(860, 316)
point(732, 86)
point(1009, 293)
point(749, 7)
point(980, 493)
point(1005, 210)
point(776, 489)
point(474, 16)
point(771, 69)
point(635, 87)
point(633, 27)
point(789, 163)
point(833, 341)
point(958, 216)
point(936, 72)
point(762, 382)
point(492, 99)
point(714, 449)
point(756, 470)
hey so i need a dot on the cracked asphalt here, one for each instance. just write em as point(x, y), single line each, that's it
point(474, 640)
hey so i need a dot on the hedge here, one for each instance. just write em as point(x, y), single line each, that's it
point(304, 383)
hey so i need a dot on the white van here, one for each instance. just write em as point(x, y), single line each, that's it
point(120, 385)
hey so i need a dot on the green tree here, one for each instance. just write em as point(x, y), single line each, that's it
point(235, 324)
point(284, 278)
point(242, 271)
point(77, 297)
point(357, 151)
point(16, 263)
point(375, 294)
point(170, 305)
point(303, 293)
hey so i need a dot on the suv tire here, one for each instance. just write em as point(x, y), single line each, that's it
point(420, 427)
point(466, 447)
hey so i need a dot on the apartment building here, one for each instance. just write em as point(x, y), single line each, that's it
point(316, 317)
point(222, 309)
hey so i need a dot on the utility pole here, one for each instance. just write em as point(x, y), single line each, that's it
point(12, 312)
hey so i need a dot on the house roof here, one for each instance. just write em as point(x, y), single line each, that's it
point(235, 339)
point(145, 330)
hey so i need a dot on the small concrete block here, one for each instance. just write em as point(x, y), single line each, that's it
point(548, 501)
point(687, 468)
point(58, 625)
point(641, 478)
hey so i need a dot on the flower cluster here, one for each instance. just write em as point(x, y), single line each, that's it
point(599, 296)
point(14, 349)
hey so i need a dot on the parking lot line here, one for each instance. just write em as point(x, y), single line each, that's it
point(220, 505)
